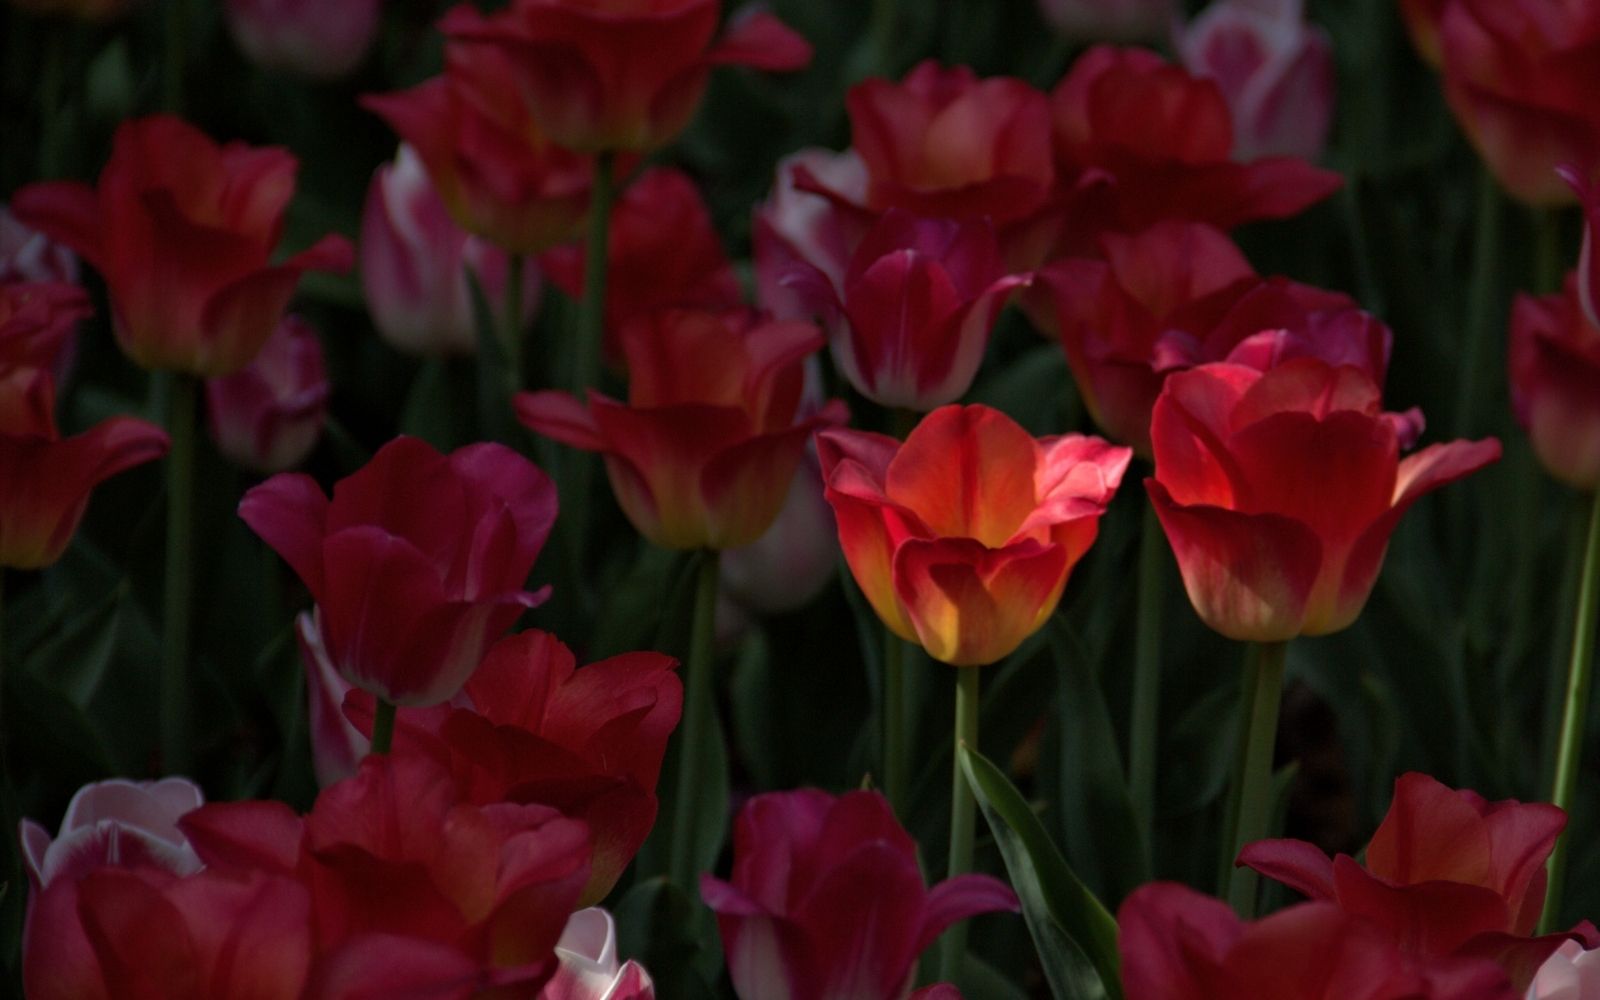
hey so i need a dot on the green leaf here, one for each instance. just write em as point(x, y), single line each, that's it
point(74, 660)
point(1075, 936)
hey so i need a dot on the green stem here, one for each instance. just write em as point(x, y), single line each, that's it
point(963, 813)
point(894, 722)
point(697, 723)
point(885, 19)
point(175, 736)
point(1548, 259)
point(1481, 314)
point(1146, 672)
point(1265, 692)
point(172, 68)
point(513, 326)
point(1580, 673)
point(592, 310)
point(383, 726)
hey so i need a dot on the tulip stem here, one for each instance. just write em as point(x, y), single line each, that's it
point(1547, 259)
point(1481, 314)
point(894, 722)
point(592, 310)
point(697, 724)
point(963, 813)
point(513, 326)
point(1580, 673)
point(180, 575)
point(383, 726)
point(1146, 672)
point(1263, 693)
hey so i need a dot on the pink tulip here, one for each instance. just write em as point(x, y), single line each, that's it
point(827, 900)
point(588, 968)
point(1570, 974)
point(798, 227)
point(413, 258)
point(115, 823)
point(336, 746)
point(1274, 70)
point(320, 39)
point(267, 416)
point(790, 564)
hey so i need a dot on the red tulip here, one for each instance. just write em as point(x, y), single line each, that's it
point(1138, 141)
point(963, 537)
point(1555, 373)
point(413, 265)
point(531, 727)
point(182, 231)
point(662, 251)
point(589, 969)
point(45, 479)
point(702, 454)
point(910, 320)
point(417, 564)
point(826, 899)
point(268, 416)
point(319, 39)
point(625, 75)
point(1179, 295)
point(496, 169)
point(1520, 76)
point(37, 320)
point(1177, 944)
point(1275, 71)
point(1445, 873)
point(1278, 491)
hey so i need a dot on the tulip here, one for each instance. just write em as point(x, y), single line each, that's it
point(337, 746)
point(496, 170)
point(115, 822)
point(1138, 141)
point(318, 39)
point(588, 968)
point(1177, 944)
point(29, 255)
point(1446, 873)
point(45, 479)
point(963, 537)
point(909, 323)
point(1179, 295)
point(1109, 20)
point(1520, 77)
point(662, 250)
point(1588, 274)
point(1554, 365)
point(182, 230)
point(621, 76)
point(418, 562)
point(37, 321)
point(268, 416)
point(826, 899)
point(1570, 974)
point(702, 453)
point(413, 261)
point(789, 565)
point(1275, 71)
point(795, 227)
point(531, 727)
point(1278, 491)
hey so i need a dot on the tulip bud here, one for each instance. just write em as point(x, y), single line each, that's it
point(413, 258)
point(267, 417)
point(320, 39)
point(1274, 70)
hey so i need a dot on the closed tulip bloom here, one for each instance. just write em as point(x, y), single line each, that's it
point(1279, 490)
point(1139, 141)
point(702, 453)
point(496, 169)
point(1274, 69)
point(1177, 944)
point(1446, 873)
point(418, 562)
point(662, 250)
point(268, 416)
point(183, 230)
point(319, 39)
point(626, 75)
point(588, 968)
point(29, 255)
point(37, 322)
point(1555, 382)
point(909, 323)
point(46, 479)
point(826, 899)
point(1179, 295)
point(1109, 20)
point(962, 538)
point(414, 258)
point(1570, 974)
point(1520, 76)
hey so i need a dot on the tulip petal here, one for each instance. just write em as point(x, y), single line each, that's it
point(1430, 918)
point(560, 417)
point(288, 511)
point(1299, 865)
point(67, 212)
point(972, 605)
point(956, 899)
point(968, 472)
point(1170, 935)
point(759, 40)
point(257, 835)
